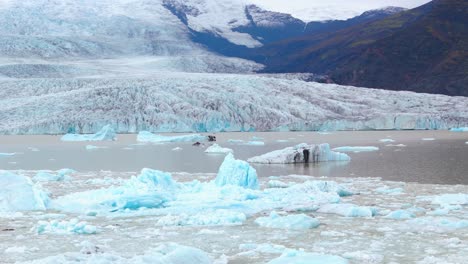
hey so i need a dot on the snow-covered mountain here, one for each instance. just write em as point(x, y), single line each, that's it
point(184, 102)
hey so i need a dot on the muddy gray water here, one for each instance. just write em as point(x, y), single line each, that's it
point(443, 160)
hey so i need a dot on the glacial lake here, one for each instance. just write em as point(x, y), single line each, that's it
point(432, 157)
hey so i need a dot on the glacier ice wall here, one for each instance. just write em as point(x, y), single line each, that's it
point(191, 102)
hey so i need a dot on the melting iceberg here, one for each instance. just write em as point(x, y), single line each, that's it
point(145, 136)
point(300, 257)
point(459, 129)
point(74, 226)
point(237, 173)
point(296, 154)
point(215, 148)
point(106, 133)
point(295, 221)
point(451, 199)
point(356, 149)
point(150, 189)
point(18, 193)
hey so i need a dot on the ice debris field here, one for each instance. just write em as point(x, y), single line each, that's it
point(232, 215)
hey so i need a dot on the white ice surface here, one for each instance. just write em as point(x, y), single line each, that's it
point(215, 148)
point(19, 193)
point(356, 149)
point(292, 221)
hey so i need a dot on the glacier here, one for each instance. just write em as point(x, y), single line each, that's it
point(459, 129)
point(145, 136)
point(318, 153)
point(106, 133)
point(18, 193)
point(191, 102)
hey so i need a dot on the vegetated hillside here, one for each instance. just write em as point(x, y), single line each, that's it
point(423, 49)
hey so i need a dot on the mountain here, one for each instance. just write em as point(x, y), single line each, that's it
point(423, 50)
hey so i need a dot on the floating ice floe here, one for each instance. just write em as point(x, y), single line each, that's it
point(293, 221)
point(170, 253)
point(92, 147)
point(356, 149)
point(282, 140)
point(459, 129)
point(396, 145)
point(300, 257)
point(18, 193)
point(317, 153)
point(428, 139)
point(386, 190)
point(145, 136)
point(236, 141)
point(33, 149)
point(254, 138)
point(400, 214)
point(214, 218)
point(217, 149)
point(386, 140)
point(74, 226)
point(451, 199)
point(348, 210)
point(106, 133)
point(177, 149)
point(438, 224)
point(277, 184)
point(60, 175)
point(237, 173)
point(7, 154)
point(255, 143)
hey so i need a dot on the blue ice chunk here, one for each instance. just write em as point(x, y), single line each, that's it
point(300, 257)
point(18, 193)
point(145, 136)
point(400, 214)
point(459, 129)
point(7, 154)
point(65, 227)
point(236, 172)
point(294, 221)
point(150, 189)
point(106, 133)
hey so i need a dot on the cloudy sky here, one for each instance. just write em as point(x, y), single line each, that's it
point(329, 9)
